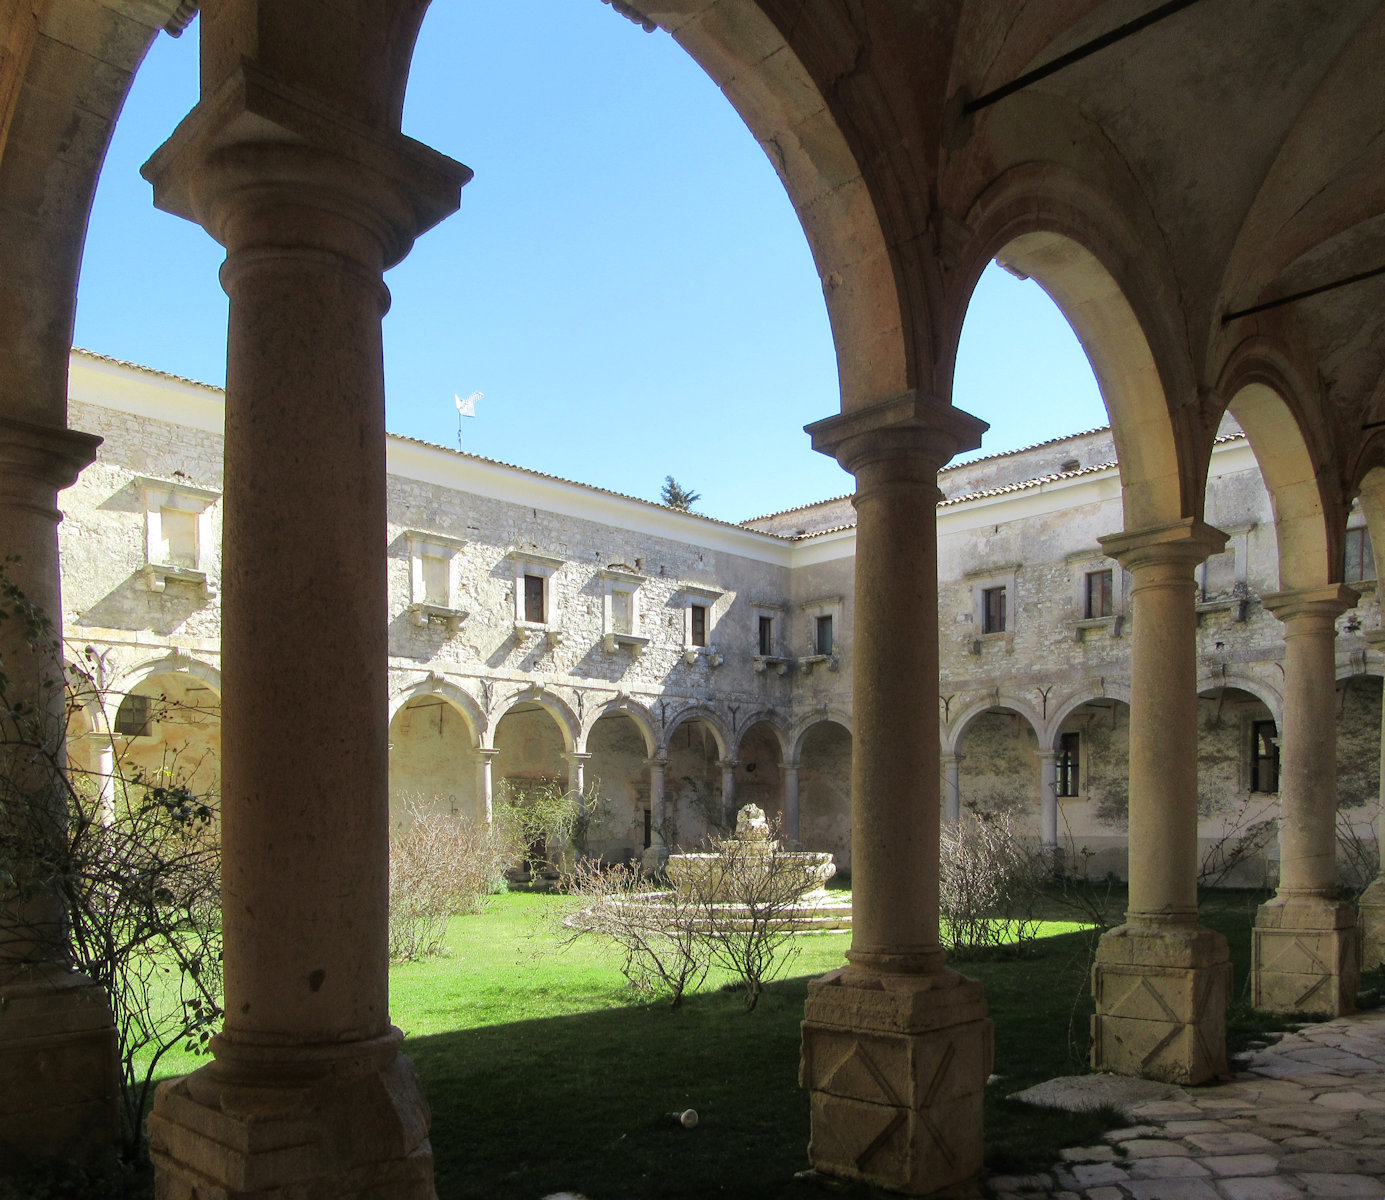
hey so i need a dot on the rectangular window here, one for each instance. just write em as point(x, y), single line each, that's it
point(767, 636)
point(134, 715)
point(699, 624)
point(1264, 757)
point(622, 612)
point(823, 643)
point(179, 537)
point(533, 599)
point(1100, 598)
point(1360, 558)
point(1069, 763)
point(993, 610)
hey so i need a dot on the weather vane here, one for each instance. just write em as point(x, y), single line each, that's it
point(465, 408)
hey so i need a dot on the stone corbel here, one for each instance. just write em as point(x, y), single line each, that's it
point(611, 642)
point(708, 653)
point(422, 615)
point(771, 662)
point(809, 661)
point(157, 576)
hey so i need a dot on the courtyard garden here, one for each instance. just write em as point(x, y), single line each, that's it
point(545, 1073)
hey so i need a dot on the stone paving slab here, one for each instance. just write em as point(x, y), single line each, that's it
point(1303, 1119)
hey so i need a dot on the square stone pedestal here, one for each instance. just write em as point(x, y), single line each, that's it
point(1161, 998)
point(897, 1067)
point(305, 1123)
point(1305, 956)
point(59, 1072)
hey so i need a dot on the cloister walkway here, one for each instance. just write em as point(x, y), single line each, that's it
point(1304, 1118)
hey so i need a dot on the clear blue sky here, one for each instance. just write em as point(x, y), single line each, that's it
point(626, 281)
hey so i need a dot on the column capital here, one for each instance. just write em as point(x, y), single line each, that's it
point(37, 461)
point(911, 427)
point(657, 761)
point(486, 753)
point(1181, 543)
point(792, 764)
point(729, 763)
point(1374, 637)
point(577, 756)
point(1325, 603)
point(257, 147)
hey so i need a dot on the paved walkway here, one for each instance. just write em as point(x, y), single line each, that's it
point(1303, 1119)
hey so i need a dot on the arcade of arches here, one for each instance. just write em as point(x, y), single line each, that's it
point(1202, 192)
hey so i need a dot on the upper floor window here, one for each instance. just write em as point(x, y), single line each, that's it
point(994, 615)
point(536, 594)
point(135, 715)
point(432, 593)
point(1360, 559)
point(822, 639)
point(1100, 594)
point(697, 624)
point(620, 609)
point(177, 532)
point(534, 608)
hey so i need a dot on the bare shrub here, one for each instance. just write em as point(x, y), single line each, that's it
point(751, 902)
point(1358, 855)
point(116, 876)
point(663, 947)
point(441, 864)
point(1241, 850)
point(991, 881)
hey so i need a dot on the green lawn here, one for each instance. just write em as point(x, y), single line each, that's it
point(544, 1073)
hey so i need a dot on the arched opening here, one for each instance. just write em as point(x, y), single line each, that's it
point(167, 729)
point(760, 770)
point(694, 787)
point(1092, 786)
point(1358, 778)
point(1238, 777)
point(824, 783)
point(432, 761)
point(999, 769)
point(618, 771)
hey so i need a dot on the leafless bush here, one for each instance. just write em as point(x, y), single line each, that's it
point(751, 902)
point(663, 947)
point(441, 864)
point(548, 823)
point(736, 906)
point(1358, 856)
point(115, 875)
point(1241, 850)
point(991, 880)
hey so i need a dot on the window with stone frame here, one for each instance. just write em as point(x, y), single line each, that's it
point(536, 594)
point(994, 609)
point(823, 641)
point(1264, 757)
point(1099, 594)
point(535, 611)
point(766, 635)
point(697, 624)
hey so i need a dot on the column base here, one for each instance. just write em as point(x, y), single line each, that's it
point(1371, 920)
point(59, 1069)
point(1305, 956)
point(294, 1123)
point(1161, 998)
point(897, 1068)
point(654, 860)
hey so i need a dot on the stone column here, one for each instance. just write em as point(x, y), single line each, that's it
point(576, 786)
point(57, 1038)
point(792, 817)
point(952, 788)
point(1048, 798)
point(1304, 955)
point(657, 854)
point(896, 1046)
point(728, 789)
point(1371, 904)
point(105, 774)
point(485, 781)
point(1162, 982)
point(308, 1093)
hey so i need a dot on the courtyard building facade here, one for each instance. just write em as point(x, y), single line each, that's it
point(1199, 188)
